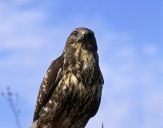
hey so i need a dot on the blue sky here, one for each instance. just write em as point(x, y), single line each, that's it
point(128, 32)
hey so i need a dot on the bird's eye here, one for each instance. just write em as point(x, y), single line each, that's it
point(75, 33)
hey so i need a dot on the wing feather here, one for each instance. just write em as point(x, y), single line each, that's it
point(48, 84)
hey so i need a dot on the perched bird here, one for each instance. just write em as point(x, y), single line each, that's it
point(71, 89)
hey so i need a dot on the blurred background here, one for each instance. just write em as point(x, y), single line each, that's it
point(128, 33)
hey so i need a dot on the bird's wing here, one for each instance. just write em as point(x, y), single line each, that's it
point(48, 84)
point(97, 99)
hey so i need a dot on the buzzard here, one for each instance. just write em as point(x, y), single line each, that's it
point(70, 91)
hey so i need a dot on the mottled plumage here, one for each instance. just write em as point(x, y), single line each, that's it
point(70, 92)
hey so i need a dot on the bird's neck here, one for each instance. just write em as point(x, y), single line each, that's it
point(80, 60)
point(80, 66)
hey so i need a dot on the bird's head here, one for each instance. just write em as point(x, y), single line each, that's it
point(82, 37)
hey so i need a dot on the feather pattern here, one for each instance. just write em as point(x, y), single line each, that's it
point(47, 85)
point(71, 90)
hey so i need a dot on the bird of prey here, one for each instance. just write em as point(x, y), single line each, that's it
point(71, 89)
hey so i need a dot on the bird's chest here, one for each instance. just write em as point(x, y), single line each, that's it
point(84, 66)
point(81, 87)
point(87, 59)
point(80, 93)
point(81, 65)
point(81, 100)
point(78, 98)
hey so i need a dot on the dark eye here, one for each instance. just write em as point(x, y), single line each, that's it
point(75, 33)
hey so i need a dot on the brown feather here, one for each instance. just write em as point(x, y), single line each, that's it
point(46, 85)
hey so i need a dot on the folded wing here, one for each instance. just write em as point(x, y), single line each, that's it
point(48, 85)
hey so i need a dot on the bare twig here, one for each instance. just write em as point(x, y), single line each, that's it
point(102, 125)
point(10, 97)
